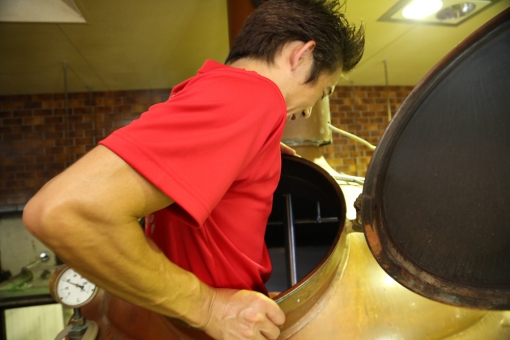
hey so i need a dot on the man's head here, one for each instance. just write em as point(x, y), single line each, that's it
point(279, 22)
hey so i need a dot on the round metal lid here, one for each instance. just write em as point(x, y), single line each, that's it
point(436, 200)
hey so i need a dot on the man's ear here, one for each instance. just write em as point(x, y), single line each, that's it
point(301, 52)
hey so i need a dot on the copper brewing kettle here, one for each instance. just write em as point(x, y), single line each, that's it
point(432, 262)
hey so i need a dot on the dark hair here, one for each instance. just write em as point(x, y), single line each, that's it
point(277, 22)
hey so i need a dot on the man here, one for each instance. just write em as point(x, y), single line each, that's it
point(202, 167)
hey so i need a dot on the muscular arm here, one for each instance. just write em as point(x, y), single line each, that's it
point(88, 216)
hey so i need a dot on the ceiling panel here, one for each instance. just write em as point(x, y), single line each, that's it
point(157, 44)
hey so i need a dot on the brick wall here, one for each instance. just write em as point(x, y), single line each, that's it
point(42, 134)
point(362, 111)
point(39, 137)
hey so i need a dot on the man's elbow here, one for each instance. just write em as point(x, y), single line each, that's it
point(39, 217)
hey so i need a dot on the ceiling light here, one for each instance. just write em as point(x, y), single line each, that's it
point(419, 9)
point(47, 11)
point(452, 13)
point(456, 11)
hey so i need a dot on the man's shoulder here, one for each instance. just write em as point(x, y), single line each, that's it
point(223, 81)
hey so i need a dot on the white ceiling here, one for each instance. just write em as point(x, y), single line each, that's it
point(128, 44)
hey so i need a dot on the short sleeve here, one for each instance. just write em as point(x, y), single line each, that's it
point(195, 146)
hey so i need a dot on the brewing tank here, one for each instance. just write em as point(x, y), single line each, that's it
point(348, 294)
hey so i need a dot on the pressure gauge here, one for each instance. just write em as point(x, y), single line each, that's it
point(70, 288)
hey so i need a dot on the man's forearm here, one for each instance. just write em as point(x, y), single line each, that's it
point(121, 260)
point(88, 216)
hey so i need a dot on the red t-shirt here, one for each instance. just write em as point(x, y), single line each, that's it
point(214, 148)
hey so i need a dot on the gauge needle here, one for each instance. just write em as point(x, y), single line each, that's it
point(75, 284)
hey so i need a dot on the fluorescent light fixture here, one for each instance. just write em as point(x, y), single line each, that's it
point(419, 9)
point(456, 11)
point(429, 12)
point(43, 11)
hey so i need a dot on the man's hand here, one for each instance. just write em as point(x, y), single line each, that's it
point(285, 149)
point(242, 314)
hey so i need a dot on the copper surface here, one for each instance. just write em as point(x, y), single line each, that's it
point(348, 297)
point(368, 304)
point(313, 131)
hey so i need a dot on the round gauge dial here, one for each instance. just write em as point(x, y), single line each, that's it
point(71, 289)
